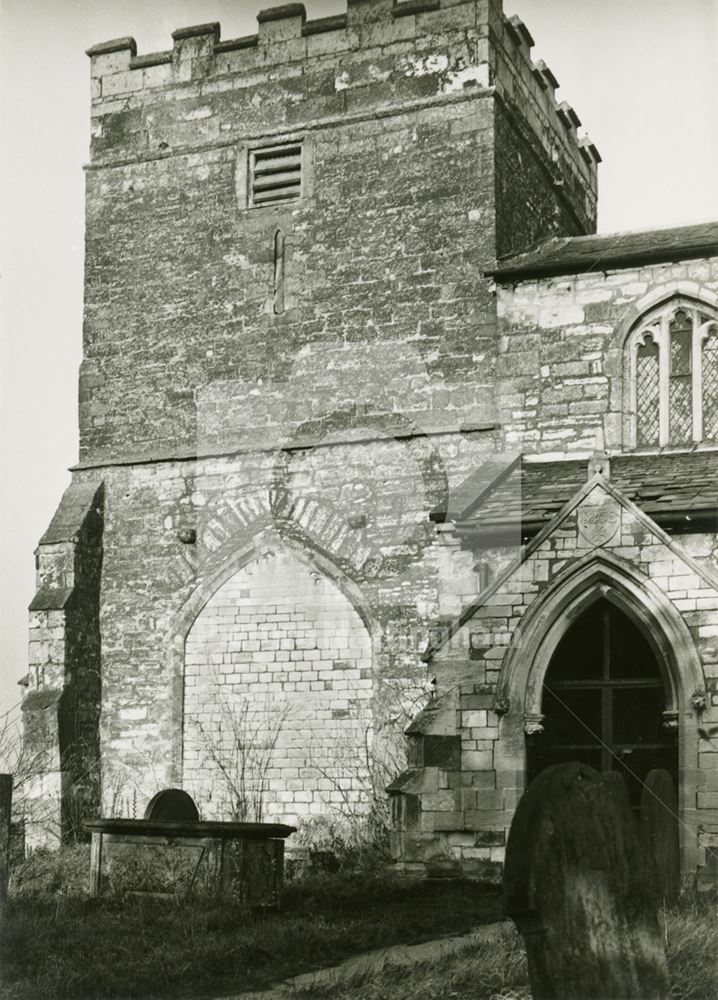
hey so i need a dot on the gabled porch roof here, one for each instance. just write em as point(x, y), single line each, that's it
point(679, 491)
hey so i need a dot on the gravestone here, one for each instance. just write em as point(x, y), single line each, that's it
point(579, 887)
point(171, 805)
point(659, 830)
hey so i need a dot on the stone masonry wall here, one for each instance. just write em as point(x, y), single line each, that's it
point(319, 373)
point(526, 198)
point(61, 708)
point(394, 107)
point(465, 815)
point(279, 659)
point(387, 250)
point(357, 513)
point(560, 366)
point(557, 184)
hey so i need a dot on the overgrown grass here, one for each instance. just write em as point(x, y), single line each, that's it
point(691, 933)
point(497, 970)
point(57, 944)
point(482, 971)
point(46, 873)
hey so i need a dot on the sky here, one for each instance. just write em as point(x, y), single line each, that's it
point(641, 74)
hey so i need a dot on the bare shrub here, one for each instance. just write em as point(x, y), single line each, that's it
point(241, 748)
point(18, 758)
point(60, 814)
point(364, 762)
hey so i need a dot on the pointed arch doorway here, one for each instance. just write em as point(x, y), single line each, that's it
point(604, 701)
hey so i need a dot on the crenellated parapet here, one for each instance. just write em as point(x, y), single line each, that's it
point(293, 71)
point(290, 72)
point(531, 87)
point(237, 184)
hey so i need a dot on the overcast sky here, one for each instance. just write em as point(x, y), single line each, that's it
point(642, 75)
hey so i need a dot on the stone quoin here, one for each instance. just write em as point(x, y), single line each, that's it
point(376, 435)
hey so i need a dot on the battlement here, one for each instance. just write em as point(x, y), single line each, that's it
point(531, 88)
point(379, 52)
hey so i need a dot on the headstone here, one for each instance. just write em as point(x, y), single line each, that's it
point(659, 830)
point(171, 805)
point(578, 886)
point(5, 812)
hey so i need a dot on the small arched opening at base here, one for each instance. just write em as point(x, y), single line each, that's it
point(604, 702)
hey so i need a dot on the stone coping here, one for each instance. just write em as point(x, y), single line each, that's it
point(191, 828)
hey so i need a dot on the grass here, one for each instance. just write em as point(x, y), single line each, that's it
point(57, 942)
point(692, 949)
point(482, 971)
point(498, 971)
point(60, 945)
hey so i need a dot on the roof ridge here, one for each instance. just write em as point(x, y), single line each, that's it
point(575, 254)
point(642, 231)
point(707, 573)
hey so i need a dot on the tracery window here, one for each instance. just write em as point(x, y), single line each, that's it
point(672, 370)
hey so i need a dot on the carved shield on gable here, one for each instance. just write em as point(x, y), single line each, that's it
point(598, 524)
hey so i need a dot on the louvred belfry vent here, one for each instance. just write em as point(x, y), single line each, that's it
point(275, 174)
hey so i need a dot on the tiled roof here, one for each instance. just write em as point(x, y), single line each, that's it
point(480, 483)
point(574, 254)
point(667, 487)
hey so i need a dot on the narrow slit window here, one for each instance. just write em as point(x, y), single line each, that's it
point(279, 266)
point(275, 174)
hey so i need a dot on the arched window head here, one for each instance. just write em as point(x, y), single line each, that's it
point(671, 367)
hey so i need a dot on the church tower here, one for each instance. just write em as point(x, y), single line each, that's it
point(290, 360)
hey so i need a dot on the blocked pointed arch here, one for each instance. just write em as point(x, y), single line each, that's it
point(315, 560)
point(262, 546)
point(599, 575)
point(668, 344)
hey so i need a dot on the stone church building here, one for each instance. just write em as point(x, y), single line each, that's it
point(376, 436)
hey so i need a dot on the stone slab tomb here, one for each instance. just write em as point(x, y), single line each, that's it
point(171, 852)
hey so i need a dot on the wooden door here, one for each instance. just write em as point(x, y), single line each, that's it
point(603, 702)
